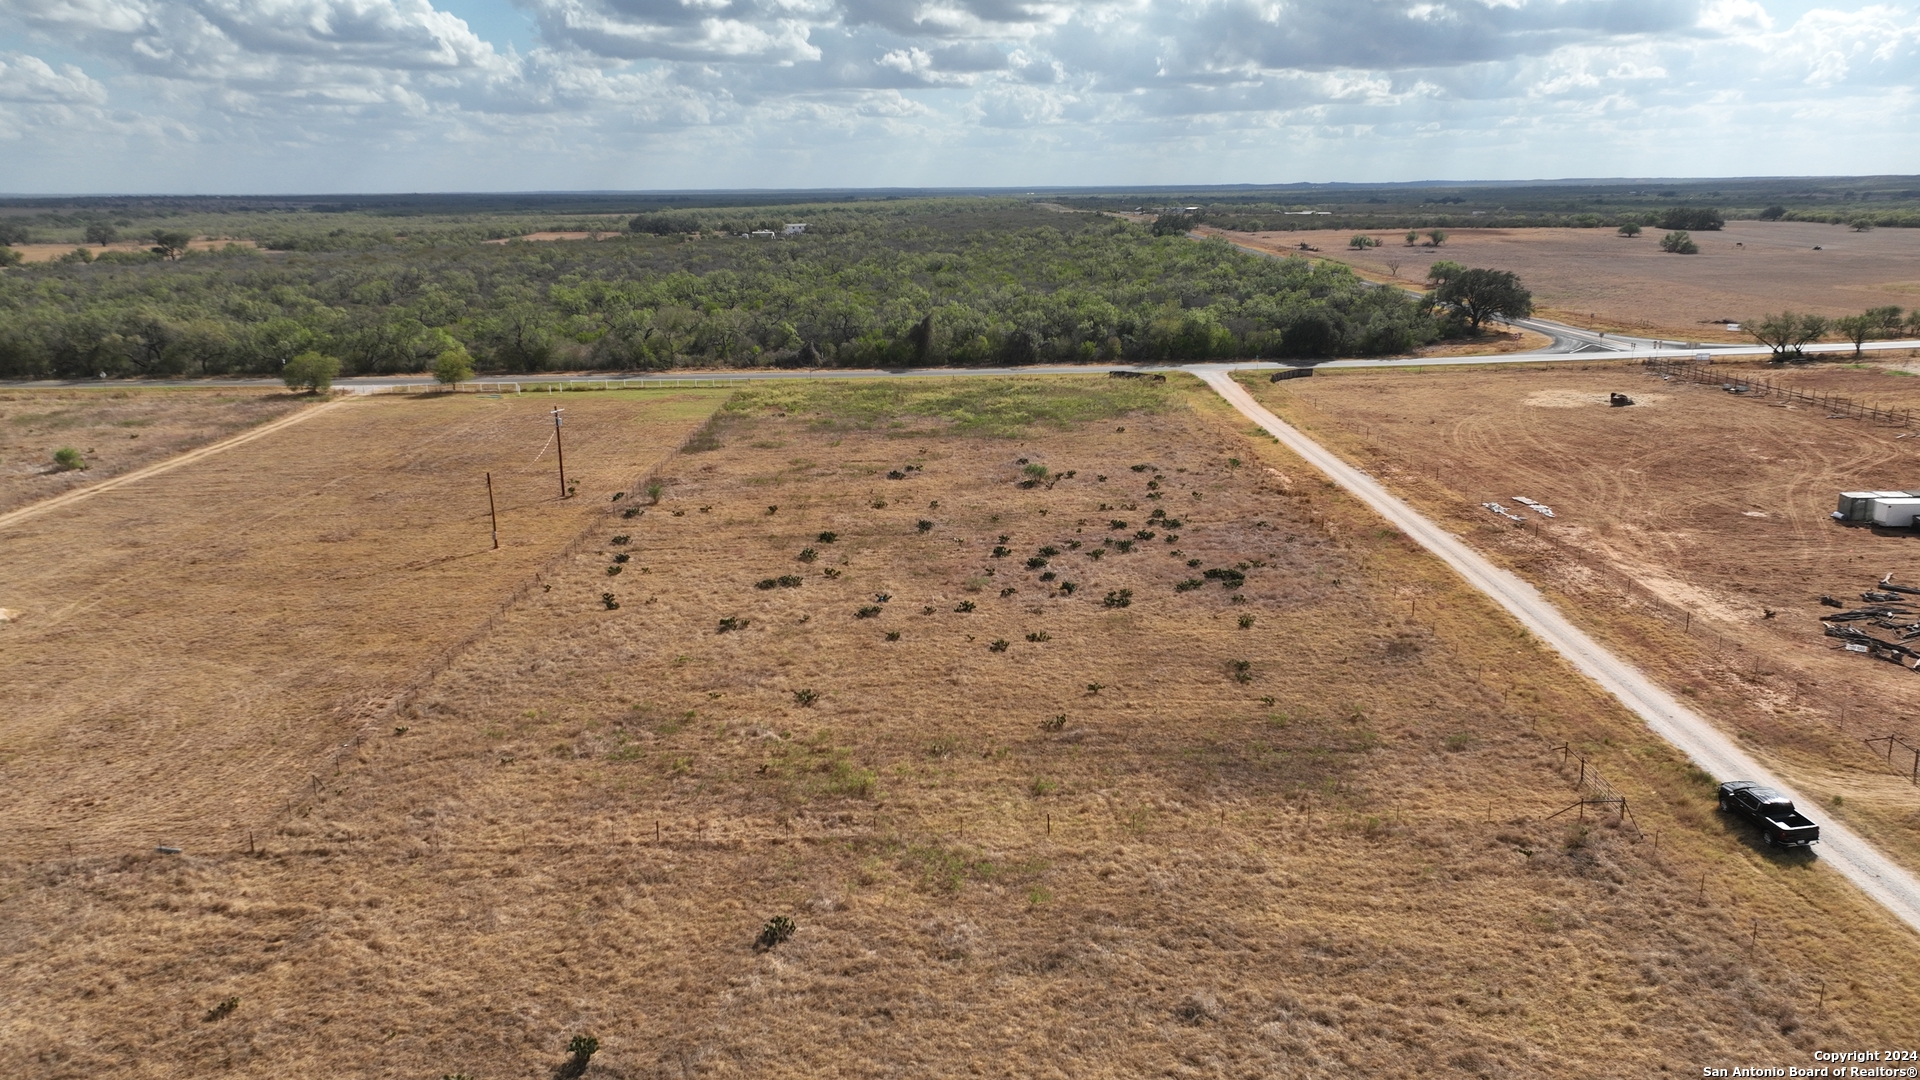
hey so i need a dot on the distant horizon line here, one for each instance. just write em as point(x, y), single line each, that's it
point(1001, 190)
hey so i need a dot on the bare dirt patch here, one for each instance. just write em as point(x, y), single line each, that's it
point(35, 253)
point(115, 431)
point(1585, 399)
point(1067, 830)
point(1676, 530)
point(551, 236)
point(1600, 280)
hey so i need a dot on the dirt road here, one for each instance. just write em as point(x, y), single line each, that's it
point(76, 495)
point(1889, 885)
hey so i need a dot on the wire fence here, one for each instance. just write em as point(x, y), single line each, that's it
point(1836, 406)
point(378, 713)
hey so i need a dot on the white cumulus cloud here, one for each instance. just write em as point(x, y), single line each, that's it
point(674, 92)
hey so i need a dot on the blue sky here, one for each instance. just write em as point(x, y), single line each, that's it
point(295, 96)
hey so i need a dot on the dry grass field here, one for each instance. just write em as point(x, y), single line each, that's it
point(1695, 507)
point(1600, 280)
point(1290, 820)
point(116, 431)
point(188, 647)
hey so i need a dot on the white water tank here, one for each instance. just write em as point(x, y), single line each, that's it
point(1856, 506)
point(1896, 513)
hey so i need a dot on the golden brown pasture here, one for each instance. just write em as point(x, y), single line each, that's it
point(1104, 847)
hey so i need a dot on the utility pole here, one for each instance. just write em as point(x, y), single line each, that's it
point(562, 448)
point(493, 513)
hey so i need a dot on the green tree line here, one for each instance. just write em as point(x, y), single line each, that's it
point(896, 286)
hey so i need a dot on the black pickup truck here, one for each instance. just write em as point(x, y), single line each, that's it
point(1773, 812)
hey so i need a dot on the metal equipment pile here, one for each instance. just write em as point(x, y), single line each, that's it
point(1892, 609)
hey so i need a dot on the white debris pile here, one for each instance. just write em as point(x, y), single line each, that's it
point(1503, 512)
point(1537, 507)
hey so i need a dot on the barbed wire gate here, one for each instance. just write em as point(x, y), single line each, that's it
point(1893, 741)
point(1594, 790)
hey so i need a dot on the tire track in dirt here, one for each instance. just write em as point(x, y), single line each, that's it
point(1879, 877)
point(76, 495)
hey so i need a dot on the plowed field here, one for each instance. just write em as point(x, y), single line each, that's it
point(1600, 280)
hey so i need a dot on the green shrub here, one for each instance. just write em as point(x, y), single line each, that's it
point(310, 371)
point(67, 459)
point(1118, 598)
point(732, 623)
point(607, 600)
point(777, 930)
point(453, 367)
point(807, 555)
point(581, 1048)
point(805, 698)
point(871, 611)
point(1679, 243)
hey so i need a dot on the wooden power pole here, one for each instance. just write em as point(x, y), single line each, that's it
point(493, 513)
point(561, 447)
